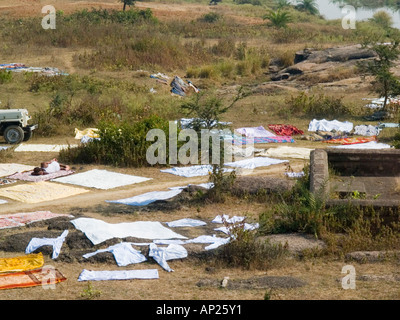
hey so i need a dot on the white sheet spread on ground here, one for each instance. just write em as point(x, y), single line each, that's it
point(98, 231)
point(287, 152)
point(3, 201)
point(192, 171)
point(207, 185)
point(101, 179)
point(367, 145)
point(123, 252)
point(93, 275)
point(214, 241)
point(246, 226)
point(225, 218)
point(186, 222)
point(252, 132)
point(42, 147)
point(56, 243)
point(244, 152)
point(162, 254)
point(326, 125)
point(367, 130)
point(7, 169)
point(147, 198)
point(253, 163)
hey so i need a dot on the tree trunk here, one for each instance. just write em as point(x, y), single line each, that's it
point(124, 6)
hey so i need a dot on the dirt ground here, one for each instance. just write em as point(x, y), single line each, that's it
point(309, 279)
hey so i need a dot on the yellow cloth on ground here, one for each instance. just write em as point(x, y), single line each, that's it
point(21, 263)
point(287, 152)
point(90, 132)
point(39, 192)
point(7, 169)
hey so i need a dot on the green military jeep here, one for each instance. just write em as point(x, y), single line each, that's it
point(14, 125)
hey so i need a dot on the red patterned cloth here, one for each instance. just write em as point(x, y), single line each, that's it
point(285, 129)
point(348, 141)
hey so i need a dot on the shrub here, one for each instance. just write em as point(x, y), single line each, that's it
point(119, 145)
point(5, 76)
point(210, 17)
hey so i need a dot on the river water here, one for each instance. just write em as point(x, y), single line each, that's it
point(331, 11)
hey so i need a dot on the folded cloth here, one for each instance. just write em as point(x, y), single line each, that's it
point(186, 222)
point(31, 278)
point(27, 175)
point(21, 263)
point(149, 197)
point(285, 129)
point(161, 254)
point(91, 275)
point(253, 163)
point(56, 243)
point(98, 231)
point(333, 125)
point(123, 253)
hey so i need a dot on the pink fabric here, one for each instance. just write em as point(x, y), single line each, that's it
point(27, 175)
point(21, 219)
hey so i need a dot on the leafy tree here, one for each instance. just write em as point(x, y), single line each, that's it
point(385, 83)
point(382, 19)
point(128, 3)
point(308, 6)
point(279, 19)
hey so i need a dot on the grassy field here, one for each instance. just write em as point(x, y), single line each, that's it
point(109, 57)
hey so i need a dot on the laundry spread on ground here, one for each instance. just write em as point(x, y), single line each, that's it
point(21, 219)
point(88, 132)
point(238, 140)
point(214, 241)
point(287, 152)
point(285, 129)
point(101, 179)
point(123, 252)
point(295, 174)
point(367, 130)
point(162, 254)
point(27, 175)
point(149, 197)
point(224, 218)
point(186, 222)
point(21, 67)
point(4, 182)
point(36, 192)
point(93, 275)
point(255, 132)
point(42, 147)
point(3, 201)
point(32, 278)
point(192, 171)
point(367, 145)
point(22, 263)
point(352, 140)
point(7, 169)
point(98, 231)
point(333, 125)
point(56, 243)
point(253, 163)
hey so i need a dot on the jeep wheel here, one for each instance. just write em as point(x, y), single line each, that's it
point(13, 134)
point(27, 135)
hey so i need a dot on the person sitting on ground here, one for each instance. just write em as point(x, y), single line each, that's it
point(51, 166)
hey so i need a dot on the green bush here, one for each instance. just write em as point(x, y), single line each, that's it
point(5, 76)
point(122, 145)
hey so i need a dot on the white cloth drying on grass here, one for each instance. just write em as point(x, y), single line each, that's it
point(123, 253)
point(245, 152)
point(246, 226)
point(3, 201)
point(147, 198)
point(214, 241)
point(253, 163)
point(92, 275)
point(98, 231)
point(192, 171)
point(101, 179)
point(367, 145)
point(7, 169)
point(287, 152)
point(161, 254)
point(367, 130)
point(56, 243)
point(42, 147)
point(295, 174)
point(207, 185)
point(225, 217)
point(255, 132)
point(3, 148)
point(186, 222)
point(326, 125)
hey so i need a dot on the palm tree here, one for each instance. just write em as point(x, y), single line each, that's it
point(279, 19)
point(308, 5)
point(280, 4)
